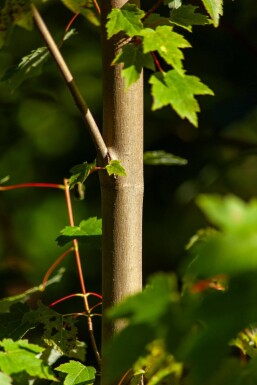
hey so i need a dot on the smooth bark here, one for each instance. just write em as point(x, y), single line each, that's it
point(122, 197)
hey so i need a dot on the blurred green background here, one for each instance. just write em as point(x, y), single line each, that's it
point(42, 136)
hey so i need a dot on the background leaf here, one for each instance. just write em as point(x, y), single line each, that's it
point(77, 373)
point(186, 16)
point(163, 158)
point(87, 228)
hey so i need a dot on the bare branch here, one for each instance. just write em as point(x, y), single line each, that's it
point(78, 98)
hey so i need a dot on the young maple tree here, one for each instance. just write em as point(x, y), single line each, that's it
point(132, 39)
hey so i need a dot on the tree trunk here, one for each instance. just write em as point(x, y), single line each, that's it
point(122, 197)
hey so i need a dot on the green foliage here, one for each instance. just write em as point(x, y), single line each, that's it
point(87, 228)
point(77, 373)
point(152, 34)
point(21, 356)
point(214, 8)
point(178, 91)
point(80, 172)
point(115, 168)
point(163, 158)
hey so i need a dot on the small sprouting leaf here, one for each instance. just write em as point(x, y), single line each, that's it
point(126, 19)
point(133, 60)
point(85, 8)
point(167, 43)
point(80, 172)
point(77, 373)
point(21, 356)
point(178, 91)
point(5, 179)
point(215, 9)
point(86, 229)
point(186, 16)
point(163, 158)
point(116, 168)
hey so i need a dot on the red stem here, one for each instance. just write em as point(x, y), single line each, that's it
point(55, 264)
point(153, 9)
point(64, 298)
point(32, 184)
point(157, 63)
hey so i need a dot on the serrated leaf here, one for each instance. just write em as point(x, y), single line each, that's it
point(115, 167)
point(167, 43)
point(13, 324)
point(126, 19)
point(85, 8)
point(87, 228)
point(163, 158)
point(60, 331)
point(215, 9)
point(77, 373)
point(133, 60)
point(178, 91)
point(154, 20)
point(30, 65)
point(80, 173)
point(21, 356)
point(186, 16)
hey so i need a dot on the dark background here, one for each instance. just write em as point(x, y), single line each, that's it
point(42, 136)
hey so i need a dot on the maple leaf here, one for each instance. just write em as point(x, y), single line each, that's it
point(126, 19)
point(167, 43)
point(178, 91)
point(133, 60)
point(215, 10)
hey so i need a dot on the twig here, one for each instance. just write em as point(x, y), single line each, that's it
point(78, 98)
point(81, 278)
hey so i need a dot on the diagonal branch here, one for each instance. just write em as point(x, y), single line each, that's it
point(78, 98)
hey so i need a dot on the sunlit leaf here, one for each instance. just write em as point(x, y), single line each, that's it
point(215, 9)
point(5, 379)
point(126, 19)
point(77, 373)
point(115, 167)
point(87, 228)
point(21, 356)
point(178, 91)
point(163, 158)
point(167, 43)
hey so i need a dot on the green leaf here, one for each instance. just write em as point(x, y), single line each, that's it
point(163, 158)
point(77, 373)
point(178, 91)
point(154, 20)
point(31, 65)
point(5, 379)
point(87, 228)
point(4, 179)
point(230, 213)
point(60, 331)
point(215, 9)
point(185, 16)
point(126, 19)
point(133, 60)
point(22, 356)
point(85, 8)
point(80, 173)
point(13, 324)
point(167, 43)
point(116, 168)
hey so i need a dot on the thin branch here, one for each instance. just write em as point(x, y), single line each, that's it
point(153, 9)
point(78, 98)
point(80, 273)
